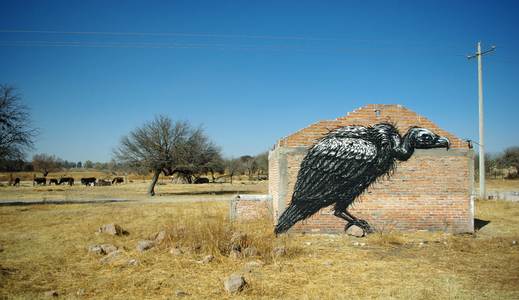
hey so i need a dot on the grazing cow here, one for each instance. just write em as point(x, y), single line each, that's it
point(16, 181)
point(117, 180)
point(39, 181)
point(68, 180)
point(201, 180)
point(88, 181)
point(102, 182)
point(53, 180)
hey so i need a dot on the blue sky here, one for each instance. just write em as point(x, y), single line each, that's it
point(251, 72)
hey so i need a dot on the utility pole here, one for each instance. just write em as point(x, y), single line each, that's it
point(479, 54)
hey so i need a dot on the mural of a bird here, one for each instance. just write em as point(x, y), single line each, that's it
point(344, 163)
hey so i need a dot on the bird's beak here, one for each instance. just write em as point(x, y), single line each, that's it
point(443, 142)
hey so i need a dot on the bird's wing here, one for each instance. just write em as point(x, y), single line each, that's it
point(330, 165)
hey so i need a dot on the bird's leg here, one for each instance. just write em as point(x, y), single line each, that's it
point(352, 220)
point(361, 223)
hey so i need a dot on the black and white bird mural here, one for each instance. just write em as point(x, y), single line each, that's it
point(344, 163)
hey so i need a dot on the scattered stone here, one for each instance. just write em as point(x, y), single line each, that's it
point(52, 293)
point(355, 231)
point(102, 249)
point(356, 244)
point(234, 283)
point(133, 262)
point(145, 245)
point(328, 263)
point(362, 244)
point(160, 236)
point(250, 251)
point(108, 248)
point(80, 292)
point(308, 243)
point(279, 251)
point(111, 257)
point(112, 229)
point(514, 242)
point(235, 254)
point(181, 293)
point(96, 249)
point(252, 265)
point(176, 251)
point(207, 259)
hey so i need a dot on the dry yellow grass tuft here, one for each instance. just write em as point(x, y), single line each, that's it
point(45, 248)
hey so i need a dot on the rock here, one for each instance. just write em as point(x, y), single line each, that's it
point(355, 231)
point(514, 242)
point(96, 249)
point(176, 251)
point(252, 265)
point(133, 262)
point(181, 293)
point(160, 236)
point(279, 251)
point(308, 243)
point(234, 283)
point(328, 263)
point(112, 229)
point(207, 259)
point(145, 245)
point(108, 248)
point(80, 292)
point(250, 251)
point(102, 249)
point(235, 254)
point(52, 293)
point(111, 257)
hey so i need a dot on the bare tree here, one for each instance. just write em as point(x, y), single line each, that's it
point(262, 162)
point(46, 163)
point(16, 133)
point(249, 165)
point(510, 158)
point(233, 166)
point(164, 146)
point(198, 156)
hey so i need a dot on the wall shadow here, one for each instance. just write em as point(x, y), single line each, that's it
point(478, 224)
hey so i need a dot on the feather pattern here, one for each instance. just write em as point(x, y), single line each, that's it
point(341, 165)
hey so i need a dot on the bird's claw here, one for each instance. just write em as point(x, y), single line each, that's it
point(362, 224)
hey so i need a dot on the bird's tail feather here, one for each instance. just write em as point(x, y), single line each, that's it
point(292, 215)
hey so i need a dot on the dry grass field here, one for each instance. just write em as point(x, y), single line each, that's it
point(165, 190)
point(44, 247)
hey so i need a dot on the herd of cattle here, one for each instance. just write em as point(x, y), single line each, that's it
point(88, 181)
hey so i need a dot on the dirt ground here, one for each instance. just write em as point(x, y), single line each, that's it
point(44, 248)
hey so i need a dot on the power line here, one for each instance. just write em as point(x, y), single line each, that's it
point(218, 46)
point(177, 34)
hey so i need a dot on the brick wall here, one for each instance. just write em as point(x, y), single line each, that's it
point(402, 117)
point(248, 207)
point(430, 191)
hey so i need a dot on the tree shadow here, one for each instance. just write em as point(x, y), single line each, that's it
point(478, 224)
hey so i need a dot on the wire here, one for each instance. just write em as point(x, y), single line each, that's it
point(180, 34)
